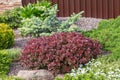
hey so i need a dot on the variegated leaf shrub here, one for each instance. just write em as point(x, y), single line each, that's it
point(37, 26)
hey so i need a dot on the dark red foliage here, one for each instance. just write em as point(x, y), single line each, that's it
point(60, 52)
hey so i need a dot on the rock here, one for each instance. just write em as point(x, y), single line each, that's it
point(21, 42)
point(35, 75)
point(15, 68)
point(61, 76)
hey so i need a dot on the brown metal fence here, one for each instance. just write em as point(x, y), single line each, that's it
point(25, 2)
point(93, 8)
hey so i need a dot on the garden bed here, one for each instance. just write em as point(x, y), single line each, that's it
point(83, 23)
point(67, 45)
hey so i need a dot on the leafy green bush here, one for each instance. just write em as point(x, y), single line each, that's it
point(115, 55)
point(6, 36)
point(37, 27)
point(38, 9)
point(11, 17)
point(5, 62)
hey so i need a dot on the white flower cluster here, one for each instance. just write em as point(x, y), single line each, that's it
point(98, 70)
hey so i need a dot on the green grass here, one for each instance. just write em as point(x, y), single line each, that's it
point(14, 53)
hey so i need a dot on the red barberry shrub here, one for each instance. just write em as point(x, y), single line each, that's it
point(60, 52)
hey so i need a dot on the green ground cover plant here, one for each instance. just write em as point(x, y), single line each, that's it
point(107, 33)
point(106, 67)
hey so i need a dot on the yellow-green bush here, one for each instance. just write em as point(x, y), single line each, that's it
point(6, 36)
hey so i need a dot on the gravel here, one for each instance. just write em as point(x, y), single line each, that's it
point(20, 42)
point(84, 23)
point(88, 23)
point(15, 68)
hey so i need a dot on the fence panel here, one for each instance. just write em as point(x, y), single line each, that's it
point(93, 8)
